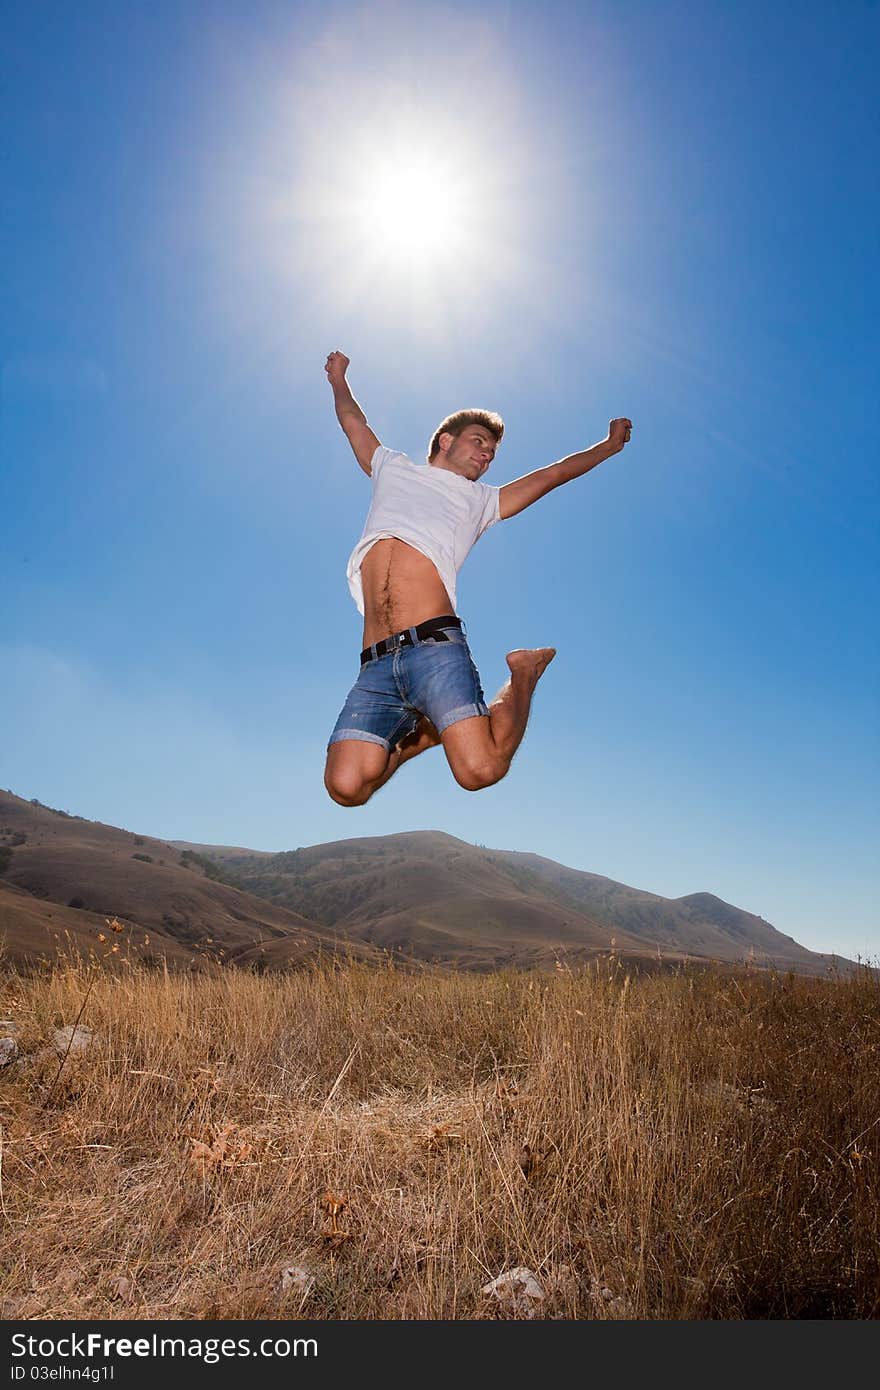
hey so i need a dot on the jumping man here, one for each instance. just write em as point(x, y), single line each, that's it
point(418, 685)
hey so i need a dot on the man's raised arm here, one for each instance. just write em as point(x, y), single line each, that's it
point(518, 495)
point(348, 412)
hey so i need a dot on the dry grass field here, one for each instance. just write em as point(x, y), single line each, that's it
point(676, 1145)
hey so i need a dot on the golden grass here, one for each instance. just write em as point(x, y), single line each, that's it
point(672, 1146)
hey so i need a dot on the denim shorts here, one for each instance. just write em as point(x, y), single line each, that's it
point(433, 677)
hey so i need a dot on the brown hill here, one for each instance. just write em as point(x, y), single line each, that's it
point(432, 896)
point(699, 924)
point(65, 877)
point(423, 896)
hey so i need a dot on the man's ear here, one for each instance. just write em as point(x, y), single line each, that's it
point(449, 440)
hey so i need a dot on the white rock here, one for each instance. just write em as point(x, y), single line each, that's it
point(79, 1038)
point(297, 1279)
point(518, 1289)
point(8, 1051)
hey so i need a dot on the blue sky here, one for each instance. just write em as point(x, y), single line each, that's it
point(662, 210)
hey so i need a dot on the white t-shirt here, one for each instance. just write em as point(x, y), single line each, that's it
point(437, 512)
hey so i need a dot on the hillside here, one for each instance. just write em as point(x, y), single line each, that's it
point(422, 896)
point(433, 896)
point(64, 877)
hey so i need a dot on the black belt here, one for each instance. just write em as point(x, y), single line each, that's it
point(432, 628)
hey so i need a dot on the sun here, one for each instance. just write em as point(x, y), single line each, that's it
point(415, 215)
point(416, 203)
point(394, 175)
point(400, 205)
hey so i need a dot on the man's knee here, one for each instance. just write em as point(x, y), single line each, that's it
point(347, 782)
point(473, 773)
point(348, 794)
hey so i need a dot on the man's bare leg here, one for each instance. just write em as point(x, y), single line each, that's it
point(480, 750)
point(354, 773)
point(425, 736)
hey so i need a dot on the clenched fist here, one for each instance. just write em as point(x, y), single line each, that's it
point(620, 432)
point(336, 366)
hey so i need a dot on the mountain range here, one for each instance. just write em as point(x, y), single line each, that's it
point(422, 897)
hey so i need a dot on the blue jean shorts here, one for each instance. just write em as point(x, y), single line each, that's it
point(435, 676)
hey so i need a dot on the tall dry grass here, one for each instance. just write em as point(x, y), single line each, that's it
point(671, 1146)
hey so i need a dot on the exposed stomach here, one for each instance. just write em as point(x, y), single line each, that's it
point(401, 589)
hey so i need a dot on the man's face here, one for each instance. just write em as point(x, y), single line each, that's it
point(468, 454)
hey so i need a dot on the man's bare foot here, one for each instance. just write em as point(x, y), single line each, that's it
point(530, 663)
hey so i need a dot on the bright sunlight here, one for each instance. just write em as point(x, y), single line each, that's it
point(418, 215)
point(404, 189)
point(415, 202)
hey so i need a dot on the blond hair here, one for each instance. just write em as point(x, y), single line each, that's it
point(454, 424)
